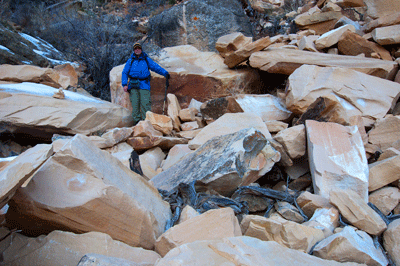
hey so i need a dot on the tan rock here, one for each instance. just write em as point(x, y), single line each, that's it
point(286, 61)
point(309, 203)
point(377, 9)
point(246, 251)
point(189, 126)
point(293, 140)
point(387, 20)
point(275, 126)
point(213, 224)
point(230, 43)
point(215, 164)
point(391, 242)
point(385, 199)
point(382, 173)
point(67, 76)
point(112, 137)
point(351, 43)
point(229, 123)
point(64, 248)
point(286, 233)
point(215, 108)
point(144, 143)
point(350, 246)
point(145, 129)
point(187, 213)
point(332, 37)
point(150, 161)
point(175, 154)
point(389, 152)
point(314, 16)
point(385, 132)
point(337, 158)
point(29, 105)
point(173, 111)
point(355, 91)
point(161, 123)
point(188, 114)
point(28, 73)
point(59, 94)
point(357, 211)
point(348, 3)
point(326, 219)
point(243, 53)
point(285, 158)
point(267, 106)
point(387, 35)
point(288, 211)
point(82, 188)
point(19, 170)
point(307, 43)
point(188, 135)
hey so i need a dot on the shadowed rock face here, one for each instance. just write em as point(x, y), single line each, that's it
point(222, 163)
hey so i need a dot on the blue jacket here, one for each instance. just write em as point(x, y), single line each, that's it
point(140, 70)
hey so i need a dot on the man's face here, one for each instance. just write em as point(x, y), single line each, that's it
point(137, 51)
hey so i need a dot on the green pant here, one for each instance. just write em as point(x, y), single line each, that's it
point(141, 103)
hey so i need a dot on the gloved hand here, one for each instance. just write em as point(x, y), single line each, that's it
point(168, 76)
point(125, 88)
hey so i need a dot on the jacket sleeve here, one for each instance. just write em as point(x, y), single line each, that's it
point(156, 67)
point(124, 78)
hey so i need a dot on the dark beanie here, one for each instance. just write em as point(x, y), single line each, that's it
point(137, 45)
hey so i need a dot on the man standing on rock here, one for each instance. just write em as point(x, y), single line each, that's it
point(137, 69)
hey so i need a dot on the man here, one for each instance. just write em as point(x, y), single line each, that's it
point(137, 69)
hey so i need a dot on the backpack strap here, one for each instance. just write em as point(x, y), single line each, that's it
point(145, 58)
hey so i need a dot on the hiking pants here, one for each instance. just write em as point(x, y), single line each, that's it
point(141, 103)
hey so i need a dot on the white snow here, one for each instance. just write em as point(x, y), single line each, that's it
point(43, 90)
point(5, 48)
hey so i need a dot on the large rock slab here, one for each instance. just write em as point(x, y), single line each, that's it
point(377, 9)
point(229, 43)
point(350, 43)
point(332, 37)
point(243, 250)
point(357, 92)
point(82, 188)
point(337, 158)
point(391, 241)
point(286, 61)
point(385, 132)
point(289, 234)
point(227, 124)
point(355, 210)
point(223, 163)
point(194, 75)
point(385, 199)
point(30, 109)
point(213, 224)
point(19, 170)
point(387, 35)
point(64, 248)
point(266, 106)
point(350, 246)
point(387, 20)
point(382, 173)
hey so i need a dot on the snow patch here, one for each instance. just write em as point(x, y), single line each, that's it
point(6, 49)
point(43, 90)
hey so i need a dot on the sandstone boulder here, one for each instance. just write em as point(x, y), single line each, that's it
point(385, 132)
point(19, 170)
point(385, 199)
point(64, 248)
point(215, 108)
point(377, 9)
point(229, 123)
point(350, 246)
point(355, 91)
point(337, 158)
point(150, 161)
point(391, 242)
point(162, 123)
point(293, 140)
point(318, 21)
point(229, 43)
point(332, 37)
point(267, 106)
point(387, 35)
point(357, 211)
point(82, 188)
point(141, 144)
point(286, 233)
point(286, 61)
point(30, 108)
point(175, 154)
point(309, 203)
point(387, 20)
point(244, 250)
point(382, 173)
point(173, 111)
point(211, 225)
point(223, 163)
